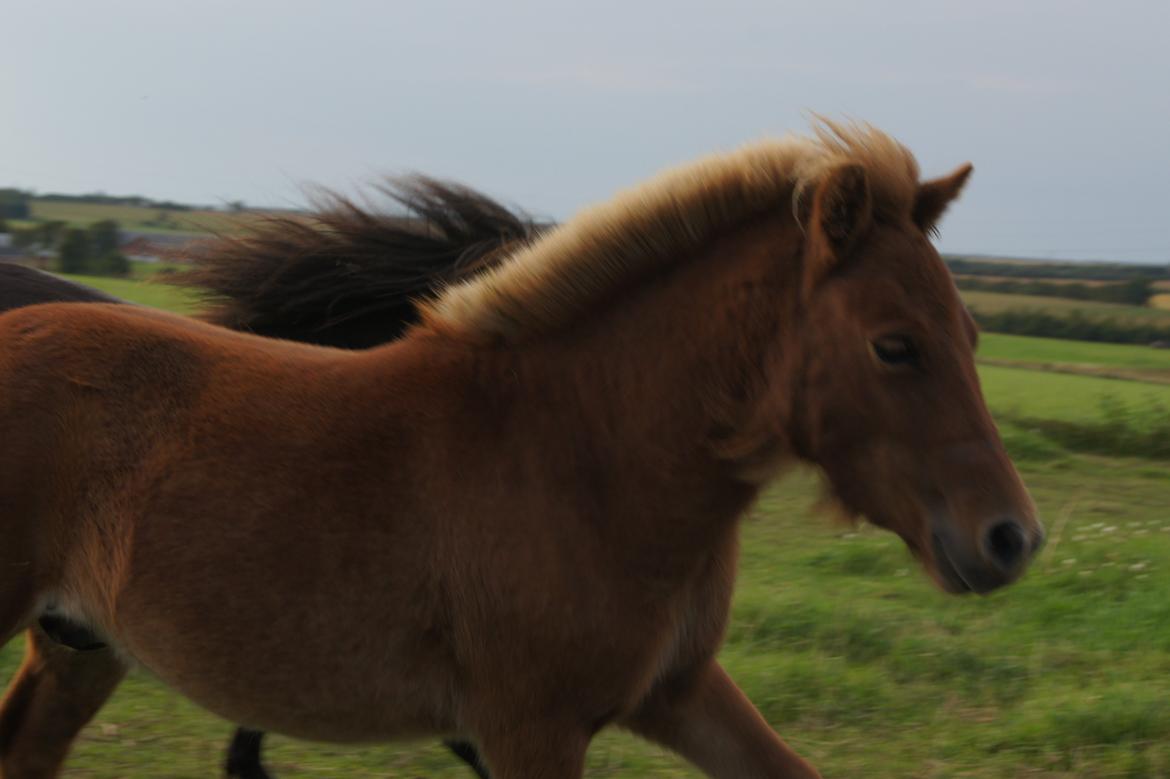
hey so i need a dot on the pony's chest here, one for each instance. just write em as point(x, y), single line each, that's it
point(698, 620)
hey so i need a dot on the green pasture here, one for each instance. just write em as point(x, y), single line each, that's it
point(1050, 395)
point(147, 290)
point(135, 218)
point(846, 648)
point(1086, 355)
point(993, 302)
point(854, 657)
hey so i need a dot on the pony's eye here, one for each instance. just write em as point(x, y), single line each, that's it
point(896, 350)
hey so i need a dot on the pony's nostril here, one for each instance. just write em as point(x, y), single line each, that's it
point(1006, 544)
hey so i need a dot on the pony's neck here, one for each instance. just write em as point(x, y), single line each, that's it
point(672, 390)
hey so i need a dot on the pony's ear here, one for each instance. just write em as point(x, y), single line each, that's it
point(842, 212)
point(934, 196)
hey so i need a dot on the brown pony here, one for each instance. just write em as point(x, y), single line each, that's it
point(517, 524)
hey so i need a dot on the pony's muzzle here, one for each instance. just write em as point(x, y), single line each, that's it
point(1005, 548)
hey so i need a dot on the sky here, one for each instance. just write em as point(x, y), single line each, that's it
point(1063, 106)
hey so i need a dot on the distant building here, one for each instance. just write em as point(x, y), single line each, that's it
point(8, 251)
point(154, 247)
point(19, 255)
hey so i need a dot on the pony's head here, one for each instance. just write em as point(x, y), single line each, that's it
point(873, 379)
point(889, 404)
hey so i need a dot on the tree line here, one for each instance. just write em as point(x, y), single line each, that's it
point(1087, 271)
point(17, 203)
point(91, 250)
point(14, 204)
point(1135, 291)
point(1075, 326)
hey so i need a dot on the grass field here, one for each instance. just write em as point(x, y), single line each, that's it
point(1140, 363)
point(134, 217)
point(1029, 349)
point(1050, 395)
point(993, 302)
point(851, 654)
point(145, 291)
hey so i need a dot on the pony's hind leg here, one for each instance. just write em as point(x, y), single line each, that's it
point(243, 757)
point(54, 694)
point(467, 752)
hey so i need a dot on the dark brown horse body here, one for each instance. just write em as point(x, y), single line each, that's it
point(518, 523)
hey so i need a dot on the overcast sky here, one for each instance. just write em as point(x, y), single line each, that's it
point(1063, 106)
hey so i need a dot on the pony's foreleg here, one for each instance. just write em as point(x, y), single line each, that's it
point(709, 721)
point(537, 750)
point(54, 694)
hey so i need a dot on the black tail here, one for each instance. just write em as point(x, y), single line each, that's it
point(348, 276)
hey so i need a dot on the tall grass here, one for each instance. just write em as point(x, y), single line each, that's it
point(1126, 428)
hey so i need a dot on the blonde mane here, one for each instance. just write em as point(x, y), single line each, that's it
point(546, 284)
